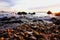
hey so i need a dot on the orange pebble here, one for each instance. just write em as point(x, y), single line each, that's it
point(2, 38)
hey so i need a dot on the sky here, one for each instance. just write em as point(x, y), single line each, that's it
point(30, 5)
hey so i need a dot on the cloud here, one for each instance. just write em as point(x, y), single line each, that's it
point(5, 5)
point(35, 3)
point(26, 4)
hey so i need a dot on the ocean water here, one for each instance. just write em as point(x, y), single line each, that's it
point(37, 14)
point(41, 14)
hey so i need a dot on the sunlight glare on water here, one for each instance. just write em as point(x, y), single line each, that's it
point(41, 14)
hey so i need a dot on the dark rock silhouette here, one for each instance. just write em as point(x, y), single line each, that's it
point(20, 13)
point(49, 12)
point(32, 13)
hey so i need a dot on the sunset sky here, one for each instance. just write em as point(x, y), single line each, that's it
point(25, 5)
